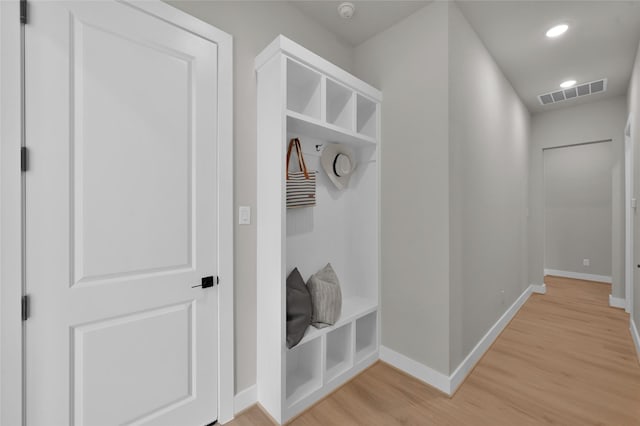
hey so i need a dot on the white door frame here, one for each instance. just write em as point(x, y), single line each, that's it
point(629, 216)
point(11, 212)
point(10, 215)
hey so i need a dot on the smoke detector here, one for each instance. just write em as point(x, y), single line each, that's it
point(346, 10)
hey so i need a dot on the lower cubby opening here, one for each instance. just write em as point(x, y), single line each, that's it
point(366, 335)
point(304, 370)
point(339, 358)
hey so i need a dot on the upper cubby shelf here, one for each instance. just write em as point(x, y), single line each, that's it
point(349, 117)
point(303, 90)
point(340, 108)
point(367, 117)
point(322, 100)
point(297, 52)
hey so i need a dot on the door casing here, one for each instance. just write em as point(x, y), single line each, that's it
point(12, 405)
point(629, 217)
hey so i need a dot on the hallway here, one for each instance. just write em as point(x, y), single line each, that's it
point(567, 358)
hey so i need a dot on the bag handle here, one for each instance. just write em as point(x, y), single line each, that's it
point(292, 144)
point(301, 163)
point(303, 166)
point(301, 158)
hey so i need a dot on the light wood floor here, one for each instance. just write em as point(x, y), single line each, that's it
point(567, 358)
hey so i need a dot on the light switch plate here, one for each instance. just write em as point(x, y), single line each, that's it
point(244, 215)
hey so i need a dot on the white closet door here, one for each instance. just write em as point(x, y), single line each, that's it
point(121, 209)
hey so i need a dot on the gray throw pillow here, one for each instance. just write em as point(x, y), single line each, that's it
point(326, 297)
point(298, 308)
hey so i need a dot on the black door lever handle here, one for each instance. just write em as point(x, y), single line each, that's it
point(207, 282)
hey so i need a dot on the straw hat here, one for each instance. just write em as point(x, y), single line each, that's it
point(338, 162)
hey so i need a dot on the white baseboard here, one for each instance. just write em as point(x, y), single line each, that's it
point(539, 288)
point(449, 384)
point(578, 275)
point(635, 335)
point(414, 368)
point(465, 367)
point(617, 302)
point(245, 399)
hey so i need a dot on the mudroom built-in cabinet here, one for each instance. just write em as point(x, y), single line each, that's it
point(301, 95)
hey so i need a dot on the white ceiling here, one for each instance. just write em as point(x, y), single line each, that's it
point(602, 42)
point(370, 18)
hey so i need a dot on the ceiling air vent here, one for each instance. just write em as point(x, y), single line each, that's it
point(597, 86)
point(573, 92)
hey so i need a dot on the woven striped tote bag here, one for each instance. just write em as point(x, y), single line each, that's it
point(301, 186)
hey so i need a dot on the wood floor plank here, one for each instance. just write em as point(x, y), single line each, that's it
point(567, 358)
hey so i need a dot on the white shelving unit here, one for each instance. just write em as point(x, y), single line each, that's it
point(302, 95)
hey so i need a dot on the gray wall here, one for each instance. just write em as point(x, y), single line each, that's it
point(408, 62)
point(253, 25)
point(634, 112)
point(594, 121)
point(578, 201)
point(454, 240)
point(489, 139)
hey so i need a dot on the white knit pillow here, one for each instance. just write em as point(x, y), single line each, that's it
point(326, 297)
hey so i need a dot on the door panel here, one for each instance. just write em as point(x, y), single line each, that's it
point(147, 156)
point(121, 214)
point(103, 374)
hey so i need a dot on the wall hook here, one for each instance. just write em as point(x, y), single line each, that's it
point(318, 146)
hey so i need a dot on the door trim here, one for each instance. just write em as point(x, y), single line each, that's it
point(629, 217)
point(11, 135)
point(11, 241)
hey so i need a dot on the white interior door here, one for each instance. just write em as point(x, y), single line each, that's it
point(120, 223)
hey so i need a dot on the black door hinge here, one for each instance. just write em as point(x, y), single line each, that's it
point(24, 159)
point(23, 11)
point(26, 308)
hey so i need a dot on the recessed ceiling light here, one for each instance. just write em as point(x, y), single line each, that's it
point(567, 84)
point(558, 30)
